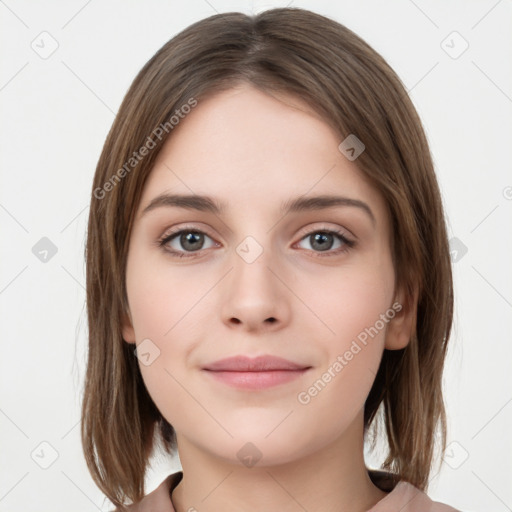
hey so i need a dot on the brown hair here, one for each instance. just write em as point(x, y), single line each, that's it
point(300, 53)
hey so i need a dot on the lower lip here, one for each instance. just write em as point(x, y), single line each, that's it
point(256, 380)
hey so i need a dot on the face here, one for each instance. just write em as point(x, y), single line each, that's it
point(314, 286)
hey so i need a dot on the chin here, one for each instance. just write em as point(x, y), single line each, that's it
point(257, 443)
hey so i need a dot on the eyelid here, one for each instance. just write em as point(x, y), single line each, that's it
point(186, 227)
point(325, 227)
point(301, 234)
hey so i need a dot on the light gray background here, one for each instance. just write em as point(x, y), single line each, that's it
point(56, 114)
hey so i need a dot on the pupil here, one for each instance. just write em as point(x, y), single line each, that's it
point(320, 238)
point(188, 240)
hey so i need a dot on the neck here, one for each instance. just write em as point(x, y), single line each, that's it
point(333, 478)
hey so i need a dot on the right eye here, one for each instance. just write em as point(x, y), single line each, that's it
point(191, 240)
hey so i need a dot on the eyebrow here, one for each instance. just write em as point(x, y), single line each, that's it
point(298, 204)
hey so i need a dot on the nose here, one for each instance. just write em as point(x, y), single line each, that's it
point(255, 295)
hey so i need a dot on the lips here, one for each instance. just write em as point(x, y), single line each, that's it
point(254, 374)
point(258, 364)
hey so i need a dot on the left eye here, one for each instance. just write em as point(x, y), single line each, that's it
point(323, 241)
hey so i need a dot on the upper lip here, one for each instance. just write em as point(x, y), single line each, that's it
point(246, 364)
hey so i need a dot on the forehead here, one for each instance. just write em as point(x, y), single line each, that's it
point(252, 150)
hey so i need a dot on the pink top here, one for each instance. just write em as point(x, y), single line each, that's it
point(404, 497)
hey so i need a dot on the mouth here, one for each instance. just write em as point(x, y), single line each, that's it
point(255, 373)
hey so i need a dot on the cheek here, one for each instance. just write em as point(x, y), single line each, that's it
point(354, 307)
point(162, 297)
point(159, 313)
point(165, 303)
point(349, 303)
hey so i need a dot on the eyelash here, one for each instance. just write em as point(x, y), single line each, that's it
point(348, 244)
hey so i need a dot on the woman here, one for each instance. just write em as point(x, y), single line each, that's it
point(268, 275)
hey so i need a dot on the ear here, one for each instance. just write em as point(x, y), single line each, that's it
point(403, 325)
point(127, 328)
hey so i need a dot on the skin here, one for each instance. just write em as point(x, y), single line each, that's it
point(253, 151)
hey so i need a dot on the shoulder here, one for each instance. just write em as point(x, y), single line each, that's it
point(158, 499)
point(406, 498)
